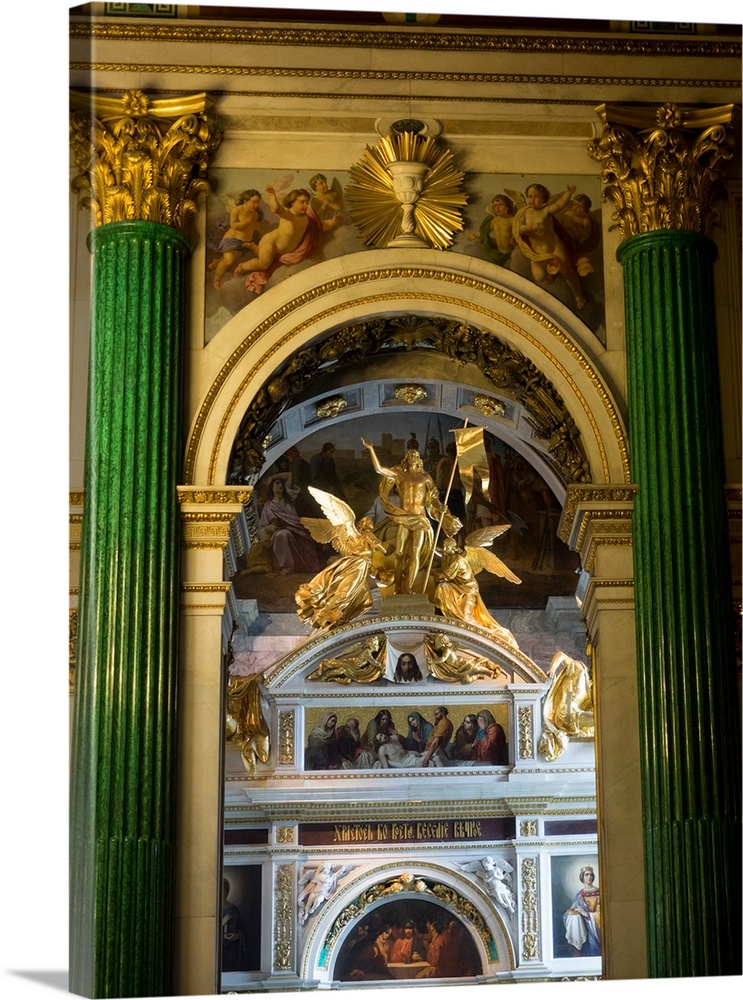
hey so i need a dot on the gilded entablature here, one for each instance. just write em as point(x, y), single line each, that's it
point(344, 38)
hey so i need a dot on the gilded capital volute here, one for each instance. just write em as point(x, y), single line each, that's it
point(142, 159)
point(662, 166)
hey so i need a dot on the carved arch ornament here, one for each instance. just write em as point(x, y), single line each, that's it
point(319, 309)
point(509, 372)
point(289, 671)
point(431, 882)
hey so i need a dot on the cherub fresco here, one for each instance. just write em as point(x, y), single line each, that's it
point(276, 224)
point(256, 245)
point(295, 237)
point(244, 218)
point(327, 198)
point(552, 238)
point(496, 230)
point(540, 237)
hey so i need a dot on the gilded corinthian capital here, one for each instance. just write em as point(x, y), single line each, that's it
point(142, 159)
point(662, 166)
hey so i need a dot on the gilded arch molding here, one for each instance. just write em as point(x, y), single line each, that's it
point(446, 886)
point(308, 305)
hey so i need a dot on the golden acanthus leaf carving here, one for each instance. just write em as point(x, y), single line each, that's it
point(529, 910)
point(331, 407)
point(410, 393)
point(375, 207)
point(662, 166)
point(142, 159)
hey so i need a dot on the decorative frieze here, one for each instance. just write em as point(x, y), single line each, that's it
point(526, 731)
point(286, 737)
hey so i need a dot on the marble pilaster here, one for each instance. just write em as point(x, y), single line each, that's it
point(596, 523)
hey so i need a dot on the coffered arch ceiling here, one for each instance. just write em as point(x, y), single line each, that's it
point(398, 363)
point(502, 353)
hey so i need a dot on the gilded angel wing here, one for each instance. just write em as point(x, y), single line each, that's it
point(480, 557)
point(320, 528)
point(340, 526)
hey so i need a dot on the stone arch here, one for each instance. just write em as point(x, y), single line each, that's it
point(454, 892)
point(248, 350)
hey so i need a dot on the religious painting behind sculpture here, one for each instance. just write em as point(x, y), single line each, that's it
point(576, 910)
point(409, 736)
point(241, 918)
point(333, 459)
point(407, 940)
point(264, 225)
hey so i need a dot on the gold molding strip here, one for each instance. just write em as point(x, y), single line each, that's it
point(546, 80)
point(431, 40)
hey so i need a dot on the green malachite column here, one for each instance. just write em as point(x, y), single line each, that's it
point(661, 167)
point(141, 166)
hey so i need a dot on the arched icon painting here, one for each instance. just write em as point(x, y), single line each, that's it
point(284, 555)
point(408, 939)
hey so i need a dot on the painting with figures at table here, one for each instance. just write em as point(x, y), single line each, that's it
point(401, 737)
point(546, 228)
point(530, 547)
point(407, 939)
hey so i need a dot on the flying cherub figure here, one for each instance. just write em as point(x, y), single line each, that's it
point(317, 885)
point(339, 592)
point(541, 238)
point(495, 874)
point(457, 594)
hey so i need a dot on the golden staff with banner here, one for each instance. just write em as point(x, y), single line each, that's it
point(471, 458)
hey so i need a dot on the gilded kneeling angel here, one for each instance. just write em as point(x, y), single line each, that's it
point(457, 594)
point(339, 592)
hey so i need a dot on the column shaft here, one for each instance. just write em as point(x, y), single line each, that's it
point(690, 746)
point(123, 754)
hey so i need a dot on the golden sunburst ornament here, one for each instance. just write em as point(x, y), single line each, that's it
point(405, 191)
